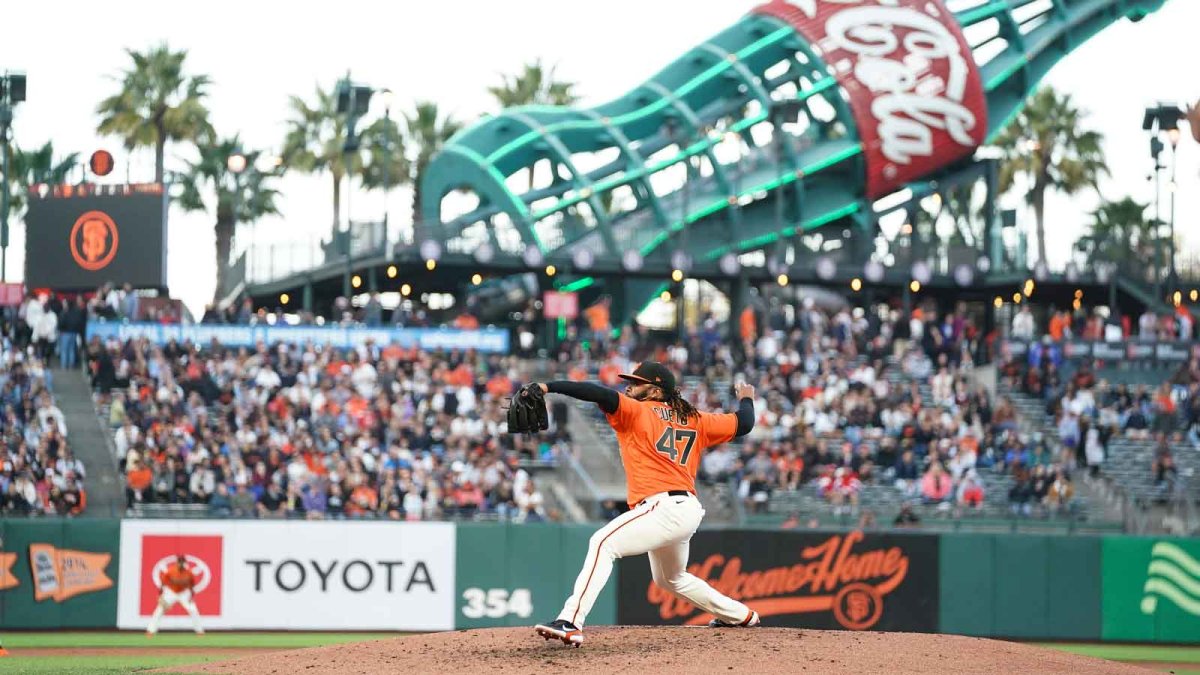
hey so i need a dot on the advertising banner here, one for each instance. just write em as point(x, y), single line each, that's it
point(502, 582)
point(557, 304)
point(909, 76)
point(79, 239)
point(58, 573)
point(489, 340)
point(1151, 589)
point(1134, 351)
point(301, 575)
point(849, 580)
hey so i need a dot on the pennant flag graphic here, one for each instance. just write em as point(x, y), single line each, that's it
point(7, 578)
point(62, 573)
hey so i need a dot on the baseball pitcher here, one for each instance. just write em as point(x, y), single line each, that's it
point(177, 583)
point(661, 438)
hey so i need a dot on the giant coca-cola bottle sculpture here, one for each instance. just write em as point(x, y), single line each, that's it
point(869, 95)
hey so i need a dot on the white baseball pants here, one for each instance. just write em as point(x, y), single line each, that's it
point(661, 526)
point(168, 600)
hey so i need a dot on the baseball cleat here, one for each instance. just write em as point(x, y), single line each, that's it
point(560, 629)
point(750, 622)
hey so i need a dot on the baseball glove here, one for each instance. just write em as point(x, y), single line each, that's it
point(527, 411)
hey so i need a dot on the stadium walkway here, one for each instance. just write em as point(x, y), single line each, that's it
point(89, 442)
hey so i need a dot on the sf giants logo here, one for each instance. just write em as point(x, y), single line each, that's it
point(914, 89)
point(94, 240)
point(828, 577)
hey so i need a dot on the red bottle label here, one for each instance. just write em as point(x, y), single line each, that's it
point(911, 80)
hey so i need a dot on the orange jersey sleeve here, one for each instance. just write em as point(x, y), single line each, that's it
point(716, 428)
point(659, 452)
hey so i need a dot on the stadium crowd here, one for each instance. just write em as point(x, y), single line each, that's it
point(280, 431)
point(39, 475)
point(1089, 411)
point(850, 397)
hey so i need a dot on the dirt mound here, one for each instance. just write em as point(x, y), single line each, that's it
point(670, 649)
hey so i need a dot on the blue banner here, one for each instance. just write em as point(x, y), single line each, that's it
point(490, 340)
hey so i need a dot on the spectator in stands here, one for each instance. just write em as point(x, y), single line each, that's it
point(1094, 447)
point(936, 485)
point(203, 482)
point(718, 464)
point(1020, 496)
point(272, 503)
point(138, 479)
point(907, 473)
point(530, 504)
point(1165, 472)
point(1148, 326)
point(1061, 492)
point(1022, 324)
point(44, 329)
point(220, 505)
point(242, 502)
point(907, 517)
point(72, 326)
point(755, 490)
point(609, 509)
point(840, 487)
point(970, 491)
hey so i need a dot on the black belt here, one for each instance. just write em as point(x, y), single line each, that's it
point(670, 493)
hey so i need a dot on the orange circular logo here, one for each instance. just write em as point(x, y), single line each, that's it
point(858, 606)
point(94, 240)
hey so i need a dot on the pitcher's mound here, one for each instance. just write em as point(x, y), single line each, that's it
point(644, 650)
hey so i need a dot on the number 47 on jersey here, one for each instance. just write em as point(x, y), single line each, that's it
point(668, 444)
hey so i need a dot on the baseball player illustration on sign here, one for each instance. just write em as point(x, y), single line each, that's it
point(661, 438)
point(177, 582)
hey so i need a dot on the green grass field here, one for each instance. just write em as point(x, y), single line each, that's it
point(1139, 653)
point(218, 646)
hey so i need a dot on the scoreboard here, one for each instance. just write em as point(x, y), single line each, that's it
point(77, 237)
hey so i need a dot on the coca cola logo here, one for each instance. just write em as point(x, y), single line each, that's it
point(914, 89)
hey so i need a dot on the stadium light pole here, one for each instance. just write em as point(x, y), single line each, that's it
point(5, 119)
point(1173, 139)
point(1157, 119)
point(388, 96)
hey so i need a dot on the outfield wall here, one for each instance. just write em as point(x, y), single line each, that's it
point(371, 575)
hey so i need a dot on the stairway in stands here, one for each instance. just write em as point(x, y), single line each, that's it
point(89, 441)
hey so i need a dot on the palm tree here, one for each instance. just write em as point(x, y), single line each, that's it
point(1046, 144)
point(239, 198)
point(157, 103)
point(385, 159)
point(428, 130)
point(315, 143)
point(1119, 233)
point(37, 166)
point(535, 84)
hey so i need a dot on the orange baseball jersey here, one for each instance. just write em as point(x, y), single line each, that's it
point(661, 453)
point(176, 579)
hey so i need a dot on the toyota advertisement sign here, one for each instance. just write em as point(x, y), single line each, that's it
point(294, 575)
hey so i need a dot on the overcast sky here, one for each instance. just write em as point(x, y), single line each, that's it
point(259, 53)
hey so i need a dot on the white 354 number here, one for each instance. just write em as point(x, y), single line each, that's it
point(495, 603)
